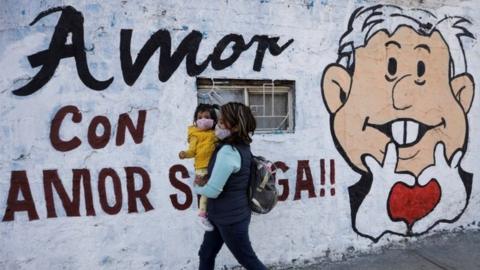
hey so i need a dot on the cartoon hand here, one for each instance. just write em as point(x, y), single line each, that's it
point(181, 155)
point(453, 196)
point(372, 217)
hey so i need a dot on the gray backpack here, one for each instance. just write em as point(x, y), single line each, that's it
point(262, 193)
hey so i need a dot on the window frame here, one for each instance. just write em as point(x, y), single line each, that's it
point(204, 85)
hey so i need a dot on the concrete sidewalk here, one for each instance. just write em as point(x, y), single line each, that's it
point(441, 251)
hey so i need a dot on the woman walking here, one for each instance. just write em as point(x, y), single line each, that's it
point(229, 173)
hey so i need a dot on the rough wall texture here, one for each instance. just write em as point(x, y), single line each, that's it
point(99, 202)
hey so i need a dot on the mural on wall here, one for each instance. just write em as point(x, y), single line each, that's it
point(398, 98)
point(96, 93)
point(71, 22)
point(21, 199)
point(303, 185)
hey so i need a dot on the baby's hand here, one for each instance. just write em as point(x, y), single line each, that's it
point(201, 180)
point(181, 155)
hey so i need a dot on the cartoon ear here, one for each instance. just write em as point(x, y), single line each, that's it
point(336, 84)
point(463, 88)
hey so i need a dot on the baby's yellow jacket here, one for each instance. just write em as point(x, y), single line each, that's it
point(201, 144)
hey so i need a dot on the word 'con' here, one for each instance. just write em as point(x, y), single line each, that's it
point(96, 141)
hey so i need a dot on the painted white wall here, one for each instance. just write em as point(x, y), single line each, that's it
point(295, 232)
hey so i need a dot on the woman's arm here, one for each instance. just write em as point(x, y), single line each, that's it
point(228, 161)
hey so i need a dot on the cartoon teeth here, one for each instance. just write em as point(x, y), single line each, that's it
point(405, 131)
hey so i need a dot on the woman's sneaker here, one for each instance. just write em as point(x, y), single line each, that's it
point(205, 223)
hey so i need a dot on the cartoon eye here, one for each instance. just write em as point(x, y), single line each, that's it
point(392, 66)
point(420, 68)
point(420, 73)
point(392, 69)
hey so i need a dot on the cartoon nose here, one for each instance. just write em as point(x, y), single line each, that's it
point(403, 93)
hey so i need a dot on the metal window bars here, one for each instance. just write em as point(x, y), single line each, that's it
point(267, 120)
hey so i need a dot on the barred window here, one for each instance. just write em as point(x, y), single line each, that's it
point(271, 102)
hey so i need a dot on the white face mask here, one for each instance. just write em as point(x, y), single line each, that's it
point(204, 123)
point(222, 133)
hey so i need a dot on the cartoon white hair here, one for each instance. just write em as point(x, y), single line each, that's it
point(365, 22)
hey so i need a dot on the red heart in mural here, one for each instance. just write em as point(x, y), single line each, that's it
point(411, 203)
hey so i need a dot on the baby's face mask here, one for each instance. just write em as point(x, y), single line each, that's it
point(204, 123)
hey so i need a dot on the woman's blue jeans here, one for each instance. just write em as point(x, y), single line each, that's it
point(235, 236)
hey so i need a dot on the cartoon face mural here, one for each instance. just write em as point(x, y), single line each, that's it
point(398, 99)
